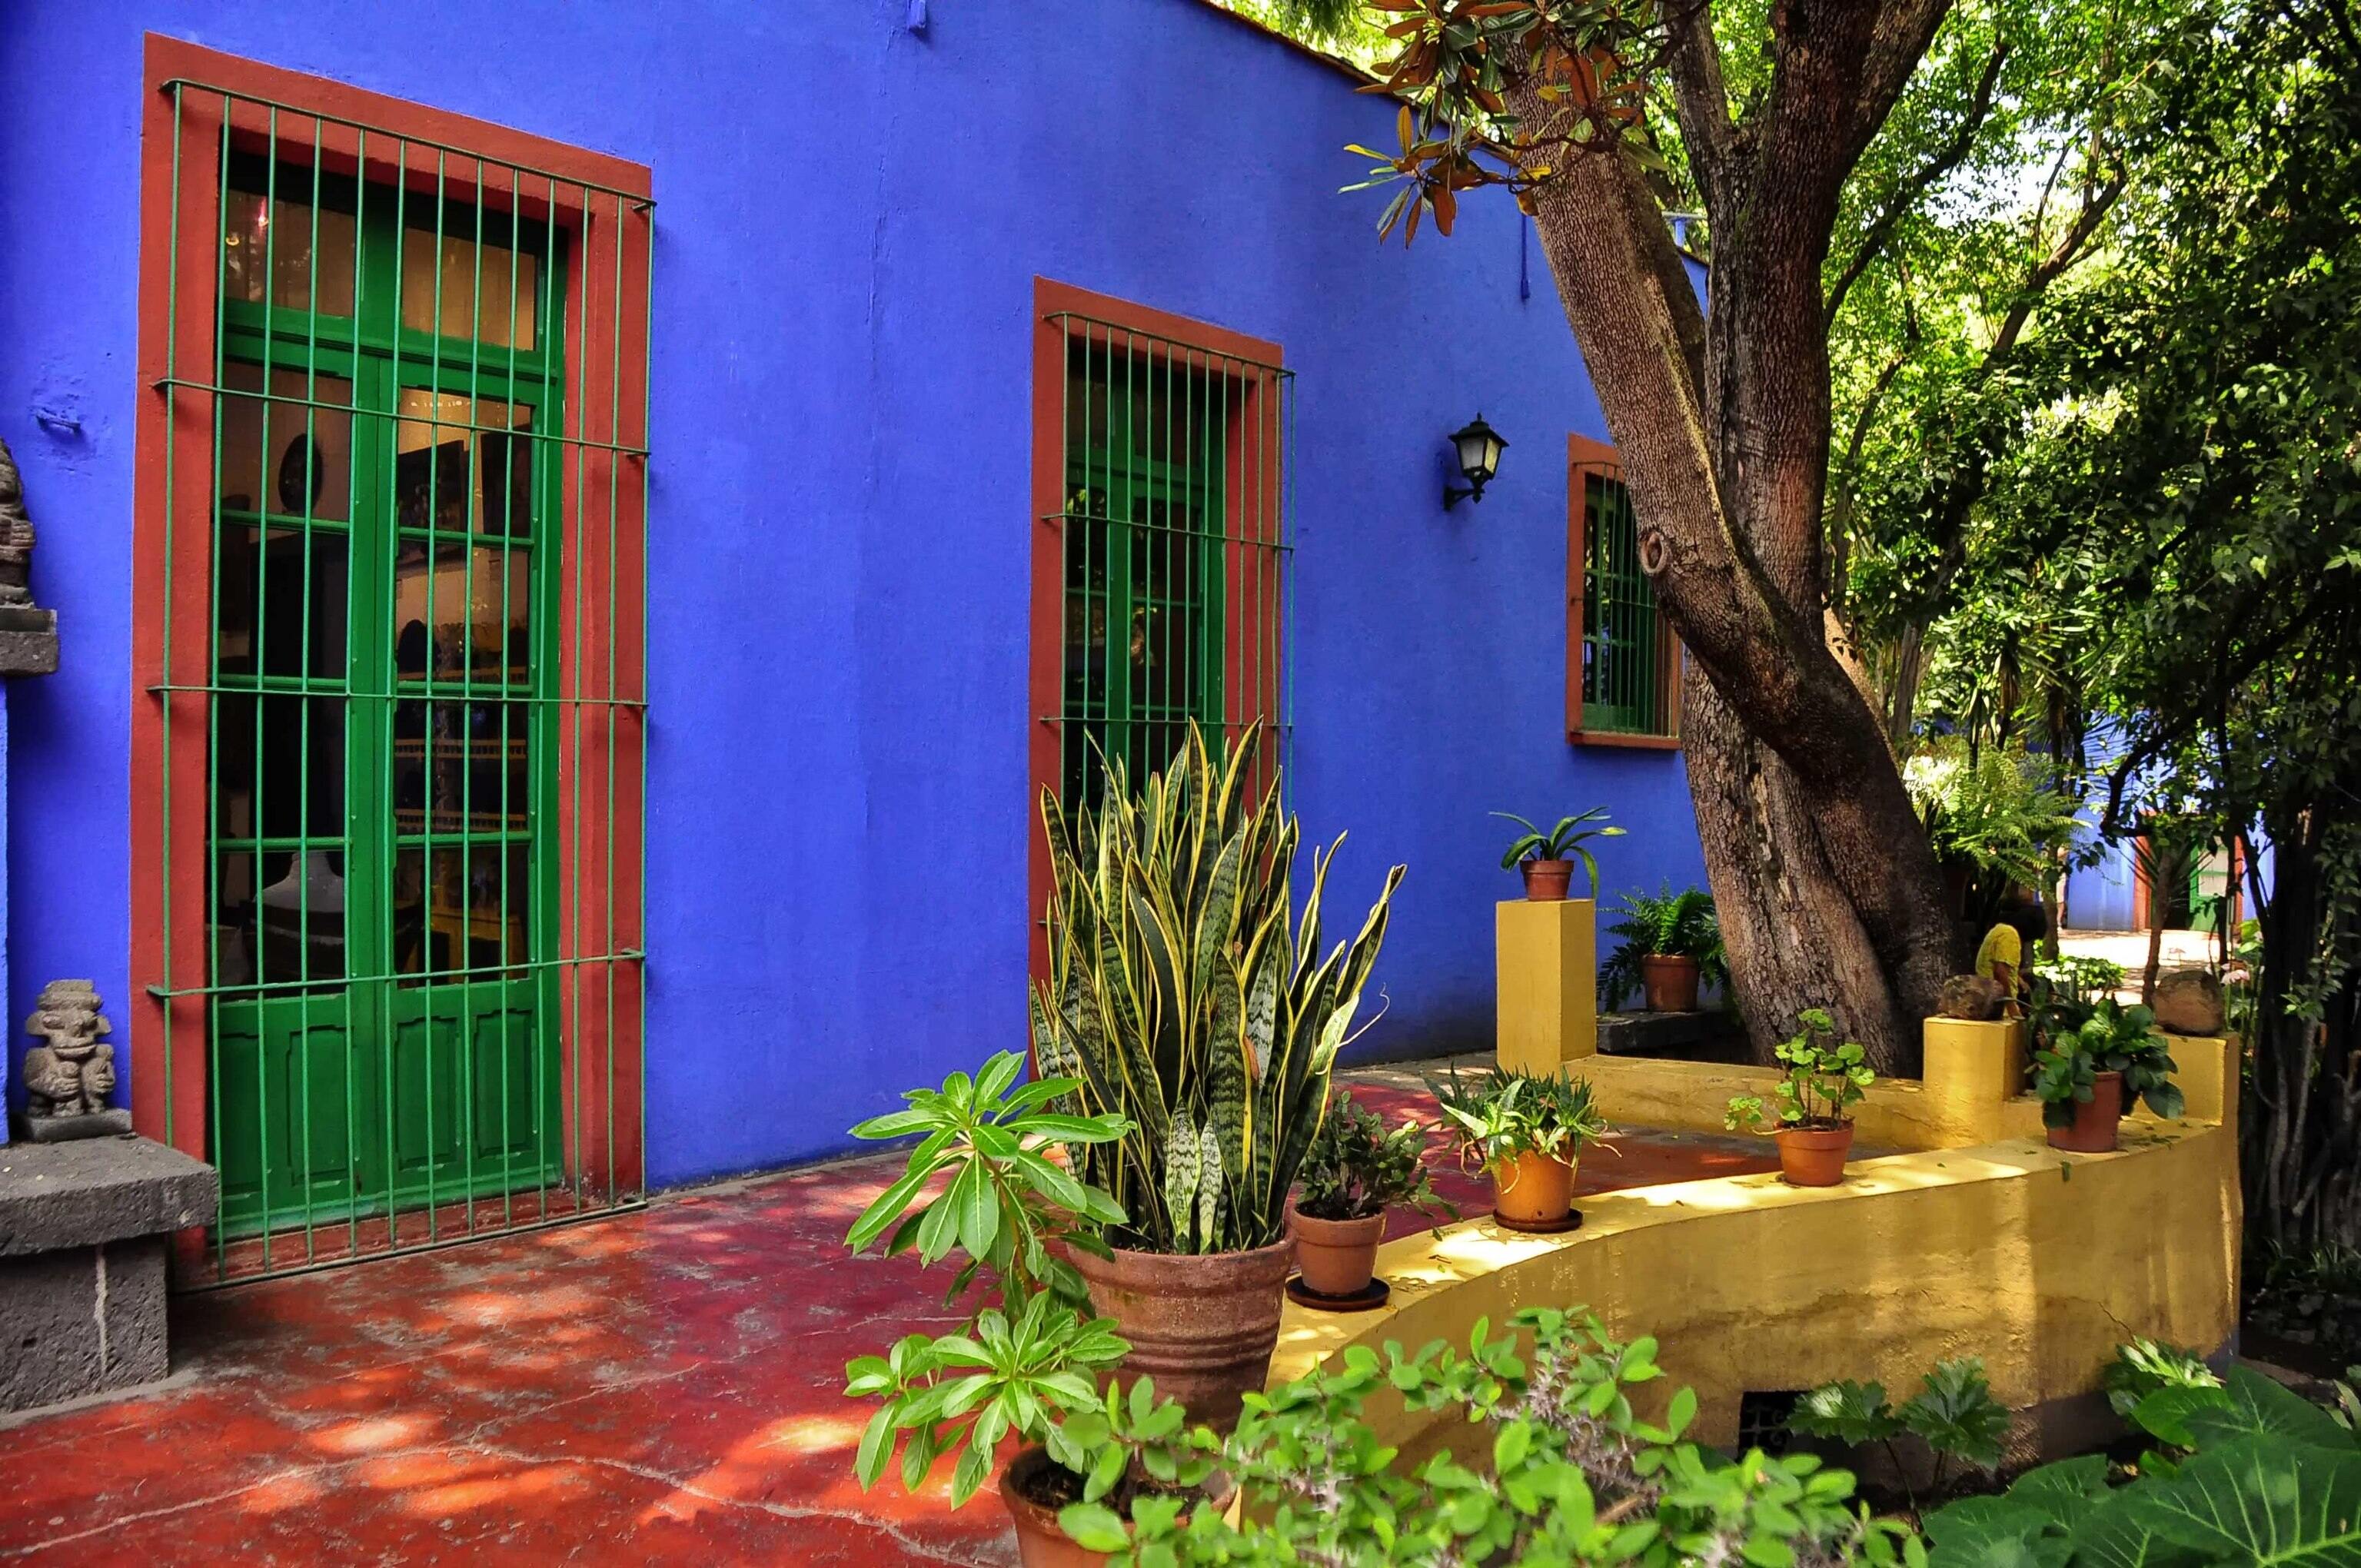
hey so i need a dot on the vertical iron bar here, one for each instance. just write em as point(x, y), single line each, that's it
point(303, 698)
point(614, 484)
point(214, 913)
point(169, 698)
point(262, 655)
point(353, 536)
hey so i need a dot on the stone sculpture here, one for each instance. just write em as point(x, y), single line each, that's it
point(28, 634)
point(69, 1075)
point(1970, 997)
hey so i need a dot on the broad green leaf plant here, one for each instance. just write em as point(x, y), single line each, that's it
point(2109, 1038)
point(1181, 999)
point(1506, 1114)
point(1356, 1167)
point(1680, 924)
point(1565, 842)
point(1826, 1078)
point(981, 1182)
point(1953, 1413)
point(1564, 1470)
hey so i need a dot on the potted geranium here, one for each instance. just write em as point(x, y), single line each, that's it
point(2089, 1071)
point(980, 1184)
point(1672, 943)
point(1826, 1077)
point(1546, 856)
point(1179, 1000)
point(1528, 1130)
point(1354, 1172)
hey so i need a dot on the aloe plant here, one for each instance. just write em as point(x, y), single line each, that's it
point(1182, 1000)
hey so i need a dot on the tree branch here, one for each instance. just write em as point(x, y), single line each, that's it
point(2071, 248)
point(1948, 156)
point(1701, 102)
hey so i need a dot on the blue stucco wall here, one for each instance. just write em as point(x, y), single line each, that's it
point(851, 219)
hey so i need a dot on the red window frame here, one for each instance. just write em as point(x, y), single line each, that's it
point(1585, 456)
point(181, 153)
point(1253, 641)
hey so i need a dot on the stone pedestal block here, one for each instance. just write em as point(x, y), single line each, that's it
point(83, 1232)
point(1547, 984)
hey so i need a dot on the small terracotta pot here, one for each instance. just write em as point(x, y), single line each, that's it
point(1336, 1257)
point(2097, 1121)
point(1813, 1157)
point(1204, 1327)
point(1040, 1542)
point(1546, 881)
point(1533, 1188)
point(1671, 982)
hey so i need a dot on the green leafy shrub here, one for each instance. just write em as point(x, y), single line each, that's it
point(1566, 1471)
point(1682, 925)
point(1181, 1000)
point(1997, 819)
point(1825, 1078)
point(1507, 1113)
point(980, 1182)
point(2110, 1038)
point(2271, 1478)
point(1953, 1413)
point(1356, 1167)
point(1564, 842)
point(2142, 1366)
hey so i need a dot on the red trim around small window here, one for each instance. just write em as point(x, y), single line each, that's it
point(1253, 471)
point(603, 202)
point(1585, 456)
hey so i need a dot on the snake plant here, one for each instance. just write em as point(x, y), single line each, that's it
point(1180, 997)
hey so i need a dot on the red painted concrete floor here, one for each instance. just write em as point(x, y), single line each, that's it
point(656, 1388)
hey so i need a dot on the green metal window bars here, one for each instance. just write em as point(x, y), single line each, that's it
point(424, 695)
point(1174, 536)
point(1624, 651)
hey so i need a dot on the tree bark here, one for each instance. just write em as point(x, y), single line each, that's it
point(1829, 892)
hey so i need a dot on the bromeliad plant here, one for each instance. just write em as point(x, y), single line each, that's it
point(1179, 999)
point(1668, 925)
point(980, 1182)
point(1357, 1168)
point(1566, 1471)
point(1506, 1114)
point(1826, 1078)
point(1564, 842)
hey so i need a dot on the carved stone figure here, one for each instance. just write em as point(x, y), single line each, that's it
point(16, 534)
point(68, 1076)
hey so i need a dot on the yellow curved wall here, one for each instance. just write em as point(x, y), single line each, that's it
point(2037, 1261)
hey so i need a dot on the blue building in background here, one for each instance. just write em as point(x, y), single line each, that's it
point(583, 532)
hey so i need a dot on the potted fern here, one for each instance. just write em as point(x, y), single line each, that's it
point(1672, 943)
point(1528, 1132)
point(1184, 998)
point(1546, 856)
point(1825, 1079)
point(1354, 1172)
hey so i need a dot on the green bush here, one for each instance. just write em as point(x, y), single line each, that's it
point(1679, 924)
point(1357, 1168)
point(1953, 1413)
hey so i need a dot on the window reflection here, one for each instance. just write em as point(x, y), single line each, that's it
point(460, 764)
point(458, 907)
point(281, 451)
point(463, 465)
point(282, 238)
point(463, 611)
point(506, 313)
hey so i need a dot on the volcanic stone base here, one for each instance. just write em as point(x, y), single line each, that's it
point(86, 1321)
point(109, 1124)
point(1689, 1037)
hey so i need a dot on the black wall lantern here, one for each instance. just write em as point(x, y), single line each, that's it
point(1479, 447)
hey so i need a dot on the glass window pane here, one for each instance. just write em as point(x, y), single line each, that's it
point(280, 451)
point(506, 314)
point(463, 466)
point(286, 908)
point(284, 243)
point(460, 909)
point(281, 610)
point(460, 764)
point(291, 784)
point(462, 611)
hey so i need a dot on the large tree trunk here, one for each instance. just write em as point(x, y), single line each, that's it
point(1827, 889)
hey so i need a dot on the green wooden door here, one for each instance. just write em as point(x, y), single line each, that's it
point(381, 773)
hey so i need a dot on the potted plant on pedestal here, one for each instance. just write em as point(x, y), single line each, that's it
point(1354, 1172)
point(1546, 856)
point(1180, 998)
point(2088, 1072)
point(1528, 1132)
point(1671, 944)
point(980, 1183)
point(1825, 1079)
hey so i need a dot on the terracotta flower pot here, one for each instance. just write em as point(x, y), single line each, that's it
point(1533, 1188)
point(1338, 1257)
point(1813, 1157)
point(1671, 982)
point(1041, 1544)
point(1204, 1327)
point(2096, 1121)
point(1546, 881)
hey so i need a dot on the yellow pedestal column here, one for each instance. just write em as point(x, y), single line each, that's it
point(1547, 982)
point(1973, 1068)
